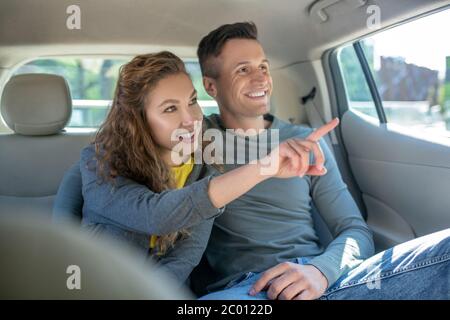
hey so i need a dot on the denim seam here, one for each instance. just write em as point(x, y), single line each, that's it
point(235, 283)
point(423, 264)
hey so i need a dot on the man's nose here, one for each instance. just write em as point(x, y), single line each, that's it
point(260, 77)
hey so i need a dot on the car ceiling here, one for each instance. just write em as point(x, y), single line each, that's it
point(30, 28)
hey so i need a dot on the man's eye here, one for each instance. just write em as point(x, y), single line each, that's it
point(264, 68)
point(243, 70)
point(170, 109)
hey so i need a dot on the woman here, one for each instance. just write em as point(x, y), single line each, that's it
point(132, 187)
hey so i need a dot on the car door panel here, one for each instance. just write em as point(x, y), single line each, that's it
point(404, 180)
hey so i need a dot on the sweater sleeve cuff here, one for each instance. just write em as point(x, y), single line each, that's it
point(201, 200)
point(330, 273)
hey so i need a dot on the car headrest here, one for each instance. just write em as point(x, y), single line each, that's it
point(36, 104)
point(46, 261)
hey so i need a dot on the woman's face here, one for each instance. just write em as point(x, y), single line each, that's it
point(174, 116)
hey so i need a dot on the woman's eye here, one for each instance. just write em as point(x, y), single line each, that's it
point(170, 109)
point(193, 102)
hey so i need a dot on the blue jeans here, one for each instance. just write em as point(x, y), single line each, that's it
point(417, 269)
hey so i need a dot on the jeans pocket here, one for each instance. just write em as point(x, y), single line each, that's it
point(239, 280)
point(302, 260)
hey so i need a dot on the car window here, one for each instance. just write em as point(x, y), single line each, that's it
point(206, 102)
point(92, 83)
point(410, 65)
point(357, 91)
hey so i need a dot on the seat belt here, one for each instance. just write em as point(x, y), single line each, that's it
point(315, 120)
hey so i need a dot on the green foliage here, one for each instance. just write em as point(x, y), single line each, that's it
point(355, 82)
point(89, 79)
point(95, 79)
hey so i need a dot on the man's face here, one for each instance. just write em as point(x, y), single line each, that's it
point(244, 85)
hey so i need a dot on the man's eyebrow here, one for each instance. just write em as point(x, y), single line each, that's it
point(242, 62)
point(193, 93)
point(247, 62)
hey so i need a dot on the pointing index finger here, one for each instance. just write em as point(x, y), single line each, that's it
point(323, 130)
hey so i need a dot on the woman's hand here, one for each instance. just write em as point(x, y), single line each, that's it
point(291, 157)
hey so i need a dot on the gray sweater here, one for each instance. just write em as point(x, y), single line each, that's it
point(130, 212)
point(272, 223)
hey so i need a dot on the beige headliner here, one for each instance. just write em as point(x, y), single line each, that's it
point(30, 28)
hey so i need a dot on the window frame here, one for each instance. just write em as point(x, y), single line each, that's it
point(336, 76)
point(370, 81)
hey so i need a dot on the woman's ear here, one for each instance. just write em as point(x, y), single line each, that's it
point(210, 86)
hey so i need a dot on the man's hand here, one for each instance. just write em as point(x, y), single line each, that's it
point(291, 281)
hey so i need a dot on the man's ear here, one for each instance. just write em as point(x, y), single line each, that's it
point(210, 86)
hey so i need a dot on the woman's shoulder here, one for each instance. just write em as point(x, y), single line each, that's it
point(88, 160)
point(87, 152)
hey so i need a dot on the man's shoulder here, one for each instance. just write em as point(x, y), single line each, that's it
point(289, 130)
point(212, 121)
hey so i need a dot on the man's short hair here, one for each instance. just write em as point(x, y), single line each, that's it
point(211, 45)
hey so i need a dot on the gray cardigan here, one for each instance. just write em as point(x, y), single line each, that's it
point(131, 212)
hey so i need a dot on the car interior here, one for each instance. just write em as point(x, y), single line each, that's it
point(382, 67)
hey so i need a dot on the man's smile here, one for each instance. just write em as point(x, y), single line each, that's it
point(257, 94)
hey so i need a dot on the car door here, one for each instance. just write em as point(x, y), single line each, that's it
point(393, 97)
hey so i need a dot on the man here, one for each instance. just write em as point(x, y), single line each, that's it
point(264, 245)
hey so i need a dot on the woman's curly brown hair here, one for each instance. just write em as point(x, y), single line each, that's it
point(123, 144)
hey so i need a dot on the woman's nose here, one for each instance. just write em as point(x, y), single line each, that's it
point(188, 118)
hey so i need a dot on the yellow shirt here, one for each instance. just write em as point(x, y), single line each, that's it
point(180, 174)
